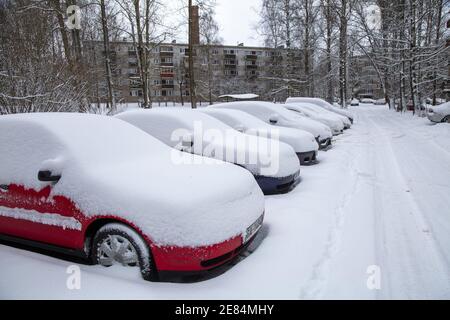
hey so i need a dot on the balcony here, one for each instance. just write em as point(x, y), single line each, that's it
point(166, 53)
point(167, 74)
point(251, 57)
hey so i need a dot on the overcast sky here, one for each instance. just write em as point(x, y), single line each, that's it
point(237, 20)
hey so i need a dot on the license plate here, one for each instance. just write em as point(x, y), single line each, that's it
point(253, 229)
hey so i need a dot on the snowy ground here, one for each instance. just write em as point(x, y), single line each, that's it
point(380, 197)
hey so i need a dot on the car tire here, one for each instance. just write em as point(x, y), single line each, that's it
point(446, 119)
point(116, 243)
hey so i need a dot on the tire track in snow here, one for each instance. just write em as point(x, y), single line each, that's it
point(414, 262)
point(317, 284)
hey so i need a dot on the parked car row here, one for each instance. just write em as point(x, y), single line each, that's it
point(171, 191)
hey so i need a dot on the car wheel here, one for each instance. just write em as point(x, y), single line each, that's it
point(118, 244)
point(446, 119)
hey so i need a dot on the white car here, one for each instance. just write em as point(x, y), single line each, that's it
point(380, 102)
point(274, 164)
point(272, 114)
point(100, 189)
point(367, 101)
point(323, 104)
point(302, 142)
point(316, 113)
point(439, 113)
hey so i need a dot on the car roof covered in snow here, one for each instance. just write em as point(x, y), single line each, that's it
point(262, 108)
point(236, 117)
point(320, 102)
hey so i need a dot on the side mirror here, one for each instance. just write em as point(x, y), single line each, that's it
point(273, 119)
point(48, 176)
point(187, 143)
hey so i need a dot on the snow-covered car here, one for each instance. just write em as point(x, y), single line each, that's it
point(309, 110)
point(367, 101)
point(354, 102)
point(380, 102)
point(101, 189)
point(302, 142)
point(274, 164)
point(275, 115)
point(323, 104)
point(439, 113)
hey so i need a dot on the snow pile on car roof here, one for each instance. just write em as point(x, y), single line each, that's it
point(110, 168)
point(299, 140)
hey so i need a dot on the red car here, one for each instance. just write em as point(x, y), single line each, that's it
point(99, 188)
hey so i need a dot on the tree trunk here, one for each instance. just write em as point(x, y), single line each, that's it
point(343, 41)
point(106, 48)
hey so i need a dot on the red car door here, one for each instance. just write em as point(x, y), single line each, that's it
point(28, 209)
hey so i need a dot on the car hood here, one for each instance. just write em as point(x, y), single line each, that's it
point(332, 122)
point(274, 158)
point(181, 201)
point(301, 141)
point(314, 127)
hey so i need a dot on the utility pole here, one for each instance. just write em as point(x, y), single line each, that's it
point(191, 58)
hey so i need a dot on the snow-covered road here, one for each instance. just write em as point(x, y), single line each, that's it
point(376, 207)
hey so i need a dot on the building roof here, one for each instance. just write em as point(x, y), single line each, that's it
point(246, 96)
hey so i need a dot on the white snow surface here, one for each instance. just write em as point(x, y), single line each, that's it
point(380, 198)
point(162, 123)
point(109, 167)
point(239, 120)
point(266, 111)
point(321, 103)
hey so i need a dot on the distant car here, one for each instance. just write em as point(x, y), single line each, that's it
point(303, 143)
point(195, 132)
point(98, 188)
point(367, 101)
point(323, 104)
point(275, 115)
point(314, 112)
point(380, 102)
point(439, 113)
point(354, 103)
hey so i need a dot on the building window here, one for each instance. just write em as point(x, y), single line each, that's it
point(167, 93)
point(231, 73)
point(136, 93)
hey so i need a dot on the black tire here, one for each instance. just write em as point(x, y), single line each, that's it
point(446, 119)
point(145, 259)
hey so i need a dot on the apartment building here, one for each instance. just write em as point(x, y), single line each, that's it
point(219, 70)
point(364, 81)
